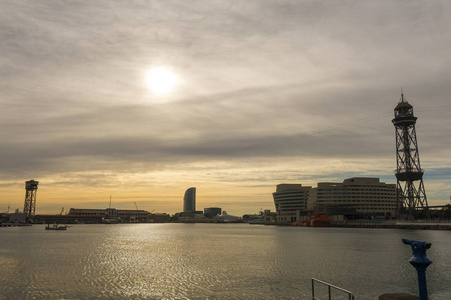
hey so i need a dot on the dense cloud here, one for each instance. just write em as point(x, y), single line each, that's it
point(263, 86)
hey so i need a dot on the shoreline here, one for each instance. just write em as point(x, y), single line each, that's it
point(397, 225)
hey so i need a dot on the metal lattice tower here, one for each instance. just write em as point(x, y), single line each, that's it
point(411, 195)
point(29, 206)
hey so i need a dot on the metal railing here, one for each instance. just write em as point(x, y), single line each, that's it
point(329, 289)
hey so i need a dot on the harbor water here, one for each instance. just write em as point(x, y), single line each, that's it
point(214, 261)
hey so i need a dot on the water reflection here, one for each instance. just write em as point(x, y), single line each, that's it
point(212, 261)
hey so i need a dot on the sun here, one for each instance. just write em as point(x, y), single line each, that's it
point(161, 80)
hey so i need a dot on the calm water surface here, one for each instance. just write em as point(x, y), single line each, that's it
point(213, 261)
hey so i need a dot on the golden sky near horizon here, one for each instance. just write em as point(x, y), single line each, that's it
point(143, 100)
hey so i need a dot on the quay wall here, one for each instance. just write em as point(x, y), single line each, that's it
point(396, 225)
point(13, 224)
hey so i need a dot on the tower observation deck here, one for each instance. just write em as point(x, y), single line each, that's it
point(411, 195)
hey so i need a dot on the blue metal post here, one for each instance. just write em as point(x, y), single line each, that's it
point(420, 262)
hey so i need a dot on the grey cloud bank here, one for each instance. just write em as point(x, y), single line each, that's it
point(263, 84)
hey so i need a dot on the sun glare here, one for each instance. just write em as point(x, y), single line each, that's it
point(161, 80)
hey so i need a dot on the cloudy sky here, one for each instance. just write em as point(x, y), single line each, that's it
point(265, 92)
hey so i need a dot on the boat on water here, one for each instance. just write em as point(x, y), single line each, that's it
point(56, 227)
point(107, 220)
point(111, 216)
point(256, 221)
point(317, 219)
point(300, 223)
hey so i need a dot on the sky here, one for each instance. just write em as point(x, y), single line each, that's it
point(264, 92)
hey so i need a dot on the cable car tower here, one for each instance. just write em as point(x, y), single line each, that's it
point(29, 206)
point(411, 195)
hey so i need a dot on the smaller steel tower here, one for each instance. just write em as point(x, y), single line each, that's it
point(410, 195)
point(29, 206)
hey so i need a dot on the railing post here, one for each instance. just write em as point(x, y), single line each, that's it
point(313, 289)
point(329, 289)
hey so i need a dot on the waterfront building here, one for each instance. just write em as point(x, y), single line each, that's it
point(96, 216)
point(363, 195)
point(160, 218)
point(270, 217)
point(212, 212)
point(190, 217)
point(68, 219)
point(189, 200)
point(123, 215)
point(290, 200)
point(358, 197)
point(189, 207)
point(225, 217)
point(18, 217)
point(290, 197)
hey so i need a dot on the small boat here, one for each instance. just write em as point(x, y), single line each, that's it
point(110, 220)
point(299, 223)
point(256, 221)
point(111, 215)
point(56, 227)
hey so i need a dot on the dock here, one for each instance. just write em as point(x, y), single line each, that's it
point(13, 224)
point(398, 225)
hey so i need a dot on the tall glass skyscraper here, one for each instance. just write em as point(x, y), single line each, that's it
point(189, 201)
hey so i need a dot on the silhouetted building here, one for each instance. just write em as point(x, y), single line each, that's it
point(189, 201)
point(18, 217)
point(160, 218)
point(122, 215)
point(212, 212)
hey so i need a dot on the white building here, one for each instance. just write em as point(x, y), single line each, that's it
point(358, 196)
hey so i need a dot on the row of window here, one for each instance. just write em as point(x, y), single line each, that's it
point(349, 198)
point(358, 189)
point(104, 213)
